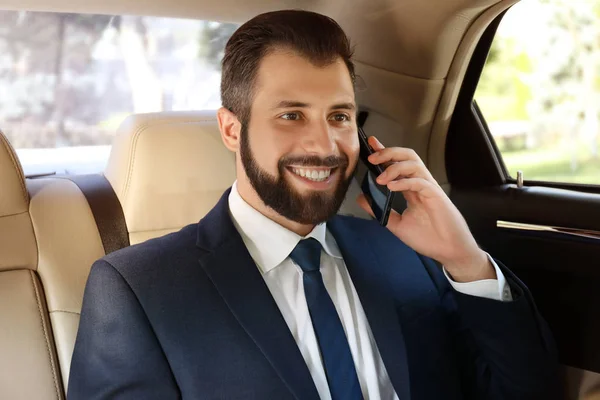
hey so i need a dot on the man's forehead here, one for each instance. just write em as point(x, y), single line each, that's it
point(284, 76)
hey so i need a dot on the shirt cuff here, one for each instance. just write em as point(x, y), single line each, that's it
point(494, 289)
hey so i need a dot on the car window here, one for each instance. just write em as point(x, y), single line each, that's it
point(540, 90)
point(68, 80)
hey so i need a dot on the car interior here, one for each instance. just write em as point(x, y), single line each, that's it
point(418, 62)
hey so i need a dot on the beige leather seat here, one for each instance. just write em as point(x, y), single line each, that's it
point(168, 170)
point(68, 243)
point(28, 361)
point(159, 169)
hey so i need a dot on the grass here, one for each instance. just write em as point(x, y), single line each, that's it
point(554, 165)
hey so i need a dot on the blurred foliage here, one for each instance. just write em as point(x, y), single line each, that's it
point(540, 90)
point(69, 79)
point(502, 92)
point(213, 38)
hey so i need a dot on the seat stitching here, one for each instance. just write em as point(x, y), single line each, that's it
point(65, 311)
point(17, 164)
point(37, 296)
point(132, 152)
point(162, 229)
point(14, 215)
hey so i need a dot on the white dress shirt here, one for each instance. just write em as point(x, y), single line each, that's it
point(270, 245)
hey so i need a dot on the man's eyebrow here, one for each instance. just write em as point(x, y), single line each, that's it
point(300, 104)
point(291, 104)
point(344, 106)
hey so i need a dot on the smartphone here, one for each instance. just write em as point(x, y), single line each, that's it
point(380, 198)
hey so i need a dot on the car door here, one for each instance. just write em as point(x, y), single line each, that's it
point(542, 222)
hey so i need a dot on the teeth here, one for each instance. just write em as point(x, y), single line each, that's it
point(313, 175)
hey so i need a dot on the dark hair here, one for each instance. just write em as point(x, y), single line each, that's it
point(316, 37)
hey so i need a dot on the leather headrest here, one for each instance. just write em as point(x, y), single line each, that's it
point(13, 194)
point(168, 170)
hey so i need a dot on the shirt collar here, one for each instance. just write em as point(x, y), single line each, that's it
point(269, 243)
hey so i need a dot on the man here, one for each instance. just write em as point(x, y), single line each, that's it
point(273, 296)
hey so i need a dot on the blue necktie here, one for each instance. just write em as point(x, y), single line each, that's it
point(335, 351)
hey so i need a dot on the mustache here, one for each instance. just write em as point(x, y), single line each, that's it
point(315, 161)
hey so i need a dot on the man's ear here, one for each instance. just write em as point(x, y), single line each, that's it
point(230, 128)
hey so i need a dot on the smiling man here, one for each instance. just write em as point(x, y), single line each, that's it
point(274, 296)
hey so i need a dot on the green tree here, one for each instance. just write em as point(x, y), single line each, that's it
point(504, 91)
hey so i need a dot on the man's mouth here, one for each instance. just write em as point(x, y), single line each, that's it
point(313, 174)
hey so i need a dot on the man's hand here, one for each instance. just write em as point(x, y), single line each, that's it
point(431, 224)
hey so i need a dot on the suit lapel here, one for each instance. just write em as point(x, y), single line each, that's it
point(235, 275)
point(379, 308)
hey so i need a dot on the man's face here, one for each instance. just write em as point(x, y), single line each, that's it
point(300, 148)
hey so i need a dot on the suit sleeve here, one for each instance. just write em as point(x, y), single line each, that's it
point(505, 349)
point(117, 355)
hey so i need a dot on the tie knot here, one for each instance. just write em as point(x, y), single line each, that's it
point(307, 254)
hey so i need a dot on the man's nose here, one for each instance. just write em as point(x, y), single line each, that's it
point(320, 139)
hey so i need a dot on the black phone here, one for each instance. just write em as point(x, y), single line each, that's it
point(380, 198)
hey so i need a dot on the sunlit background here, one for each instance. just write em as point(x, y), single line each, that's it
point(67, 81)
point(540, 90)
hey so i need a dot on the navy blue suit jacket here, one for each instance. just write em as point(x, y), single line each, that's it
point(188, 315)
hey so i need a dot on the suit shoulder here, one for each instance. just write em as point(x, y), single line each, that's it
point(153, 251)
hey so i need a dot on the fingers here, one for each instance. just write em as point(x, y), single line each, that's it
point(384, 154)
point(403, 169)
point(417, 185)
point(394, 154)
point(399, 162)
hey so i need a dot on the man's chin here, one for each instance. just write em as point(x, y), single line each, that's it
point(306, 194)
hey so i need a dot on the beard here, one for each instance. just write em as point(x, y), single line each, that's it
point(279, 194)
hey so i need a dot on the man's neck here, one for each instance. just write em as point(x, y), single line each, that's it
point(249, 195)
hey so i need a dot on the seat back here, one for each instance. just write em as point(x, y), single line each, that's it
point(28, 361)
point(168, 170)
point(158, 169)
point(68, 243)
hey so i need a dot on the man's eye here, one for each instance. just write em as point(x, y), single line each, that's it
point(291, 116)
point(341, 118)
